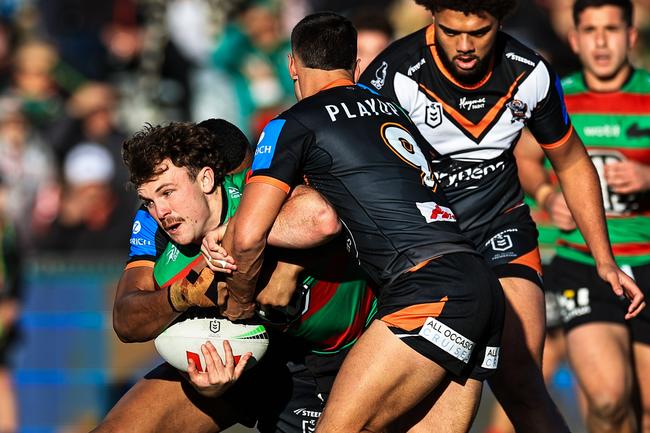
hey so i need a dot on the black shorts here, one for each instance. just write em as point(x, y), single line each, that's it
point(509, 245)
point(451, 311)
point(584, 297)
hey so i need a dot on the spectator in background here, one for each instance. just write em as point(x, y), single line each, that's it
point(91, 216)
point(28, 169)
point(374, 33)
point(250, 62)
point(10, 288)
point(91, 117)
point(33, 82)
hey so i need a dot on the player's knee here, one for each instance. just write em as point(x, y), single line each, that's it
point(609, 407)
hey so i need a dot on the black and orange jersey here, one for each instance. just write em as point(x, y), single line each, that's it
point(474, 129)
point(363, 154)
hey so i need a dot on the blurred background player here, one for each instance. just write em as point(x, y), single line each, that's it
point(609, 101)
point(471, 88)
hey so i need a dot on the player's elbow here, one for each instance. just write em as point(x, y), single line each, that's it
point(327, 223)
point(124, 329)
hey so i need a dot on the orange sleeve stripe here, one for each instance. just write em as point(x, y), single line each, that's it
point(139, 264)
point(270, 181)
point(560, 142)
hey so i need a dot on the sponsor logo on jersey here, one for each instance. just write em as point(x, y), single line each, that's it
point(449, 340)
point(234, 192)
point(369, 107)
point(606, 131)
point(574, 303)
point(172, 254)
point(137, 226)
point(266, 144)
point(433, 212)
point(520, 59)
point(491, 358)
point(469, 175)
point(140, 242)
point(471, 104)
point(414, 68)
point(518, 109)
point(433, 115)
point(309, 419)
point(635, 132)
point(380, 76)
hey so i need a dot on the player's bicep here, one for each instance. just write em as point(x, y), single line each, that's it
point(550, 123)
point(565, 157)
point(134, 279)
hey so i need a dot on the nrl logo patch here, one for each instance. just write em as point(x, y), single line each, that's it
point(380, 76)
point(215, 326)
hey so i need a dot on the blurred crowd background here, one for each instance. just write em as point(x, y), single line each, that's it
point(76, 78)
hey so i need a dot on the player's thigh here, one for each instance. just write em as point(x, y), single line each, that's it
point(380, 379)
point(164, 402)
point(525, 323)
point(600, 356)
point(449, 409)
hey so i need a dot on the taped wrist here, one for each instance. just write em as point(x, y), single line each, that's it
point(195, 290)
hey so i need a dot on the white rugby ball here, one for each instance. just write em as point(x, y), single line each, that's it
point(182, 341)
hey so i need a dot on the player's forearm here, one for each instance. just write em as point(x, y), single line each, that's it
point(247, 247)
point(581, 189)
point(140, 312)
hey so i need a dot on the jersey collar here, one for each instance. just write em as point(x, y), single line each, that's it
point(338, 83)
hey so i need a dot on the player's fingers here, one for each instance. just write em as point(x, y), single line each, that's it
point(241, 365)
point(214, 366)
point(193, 373)
point(636, 306)
point(230, 359)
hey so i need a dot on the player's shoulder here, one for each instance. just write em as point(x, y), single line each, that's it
point(518, 55)
point(639, 82)
point(405, 55)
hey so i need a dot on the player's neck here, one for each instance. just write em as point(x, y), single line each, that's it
point(610, 84)
point(313, 81)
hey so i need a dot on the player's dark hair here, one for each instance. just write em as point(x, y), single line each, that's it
point(497, 8)
point(185, 144)
point(373, 20)
point(325, 41)
point(626, 8)
point(233, 142)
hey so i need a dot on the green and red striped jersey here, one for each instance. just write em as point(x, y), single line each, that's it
point(615, 126)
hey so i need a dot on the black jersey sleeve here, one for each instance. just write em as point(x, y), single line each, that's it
point(280, 152)
point(549, 122)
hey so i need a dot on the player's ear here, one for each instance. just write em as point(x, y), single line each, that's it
point(632, 37)
point(206, 179)
point(293, 71)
